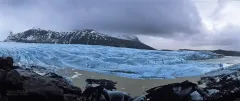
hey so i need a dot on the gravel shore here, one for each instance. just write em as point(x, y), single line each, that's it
point(132, 86)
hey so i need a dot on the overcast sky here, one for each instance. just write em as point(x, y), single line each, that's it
point(162, 24)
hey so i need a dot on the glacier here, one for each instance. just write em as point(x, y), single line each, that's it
point(124, 62)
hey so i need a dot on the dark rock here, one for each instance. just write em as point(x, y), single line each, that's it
point(33, 89)
point(27, 85)
point(13, 80)
point(100, 81)
point(65, 86)
point(99, 93)
point(227, 52)
point(6, 63)
point(174, 92)
point(228, 86)
point(71, 97)
point(139, 98)
point(72, 90)
point(53, 75)
point(36, 90)
point(1, 63)
point(3, 98)
point(15, 67)
point(28, 69)
point(26, 73)
point(9, 61)
point(38, 67)
point(2, 75)
point(107, 84)
point(42, 88)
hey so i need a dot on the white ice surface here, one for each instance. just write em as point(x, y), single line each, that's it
point(196, 96)
point(132, 63)
point(225, 71)
point(76, 75)
point(124, 37)
point(230, 64)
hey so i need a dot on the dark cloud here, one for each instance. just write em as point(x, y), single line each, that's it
point(226, 38)
point(148, 17)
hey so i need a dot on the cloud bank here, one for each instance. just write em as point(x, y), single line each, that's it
point(163, 24)
point(226, 27)
point(164, 18)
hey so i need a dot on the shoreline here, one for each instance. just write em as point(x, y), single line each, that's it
point(134, 87)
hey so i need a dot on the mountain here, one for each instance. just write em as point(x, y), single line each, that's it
point(219, 51)
point(227, 52)
point(86, 36)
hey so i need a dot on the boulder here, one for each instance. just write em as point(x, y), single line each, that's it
point(139, 98)
point(6, 63)
point(18, 84)
point(174, 92)
point(65, 86)
point(37, 68)
point(13, 80)
point(37, 90)
point(2, 75)
point(27, 73)
point(227, 85)
point(43, 89)
point(52, 75)
point(21, 84)
point(99, 93)
point(107, 84)
point(71, 97)
point(28, 86)
point(9, 61)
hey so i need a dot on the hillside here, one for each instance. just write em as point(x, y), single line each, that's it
point(86, 36)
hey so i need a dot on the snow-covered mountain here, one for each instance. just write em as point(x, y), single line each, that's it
point(86, 36)
point(125, 62)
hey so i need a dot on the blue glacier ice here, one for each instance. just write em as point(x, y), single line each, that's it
point(131, 63)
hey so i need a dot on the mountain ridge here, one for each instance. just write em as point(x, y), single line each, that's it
point(85, 36)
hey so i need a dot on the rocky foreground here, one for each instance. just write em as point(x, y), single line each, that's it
point(23, 84)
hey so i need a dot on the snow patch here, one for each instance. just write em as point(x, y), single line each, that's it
point(30, 37)
point(124, 37)
point(40, 73)
point(76, 74)
point(196, 96)
point(203, 85)
point(228, 70)
point(212, 91)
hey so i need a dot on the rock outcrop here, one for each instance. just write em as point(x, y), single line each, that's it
point(227, 52)
point(225, 87)
point(86, 36)
point(19, 84)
